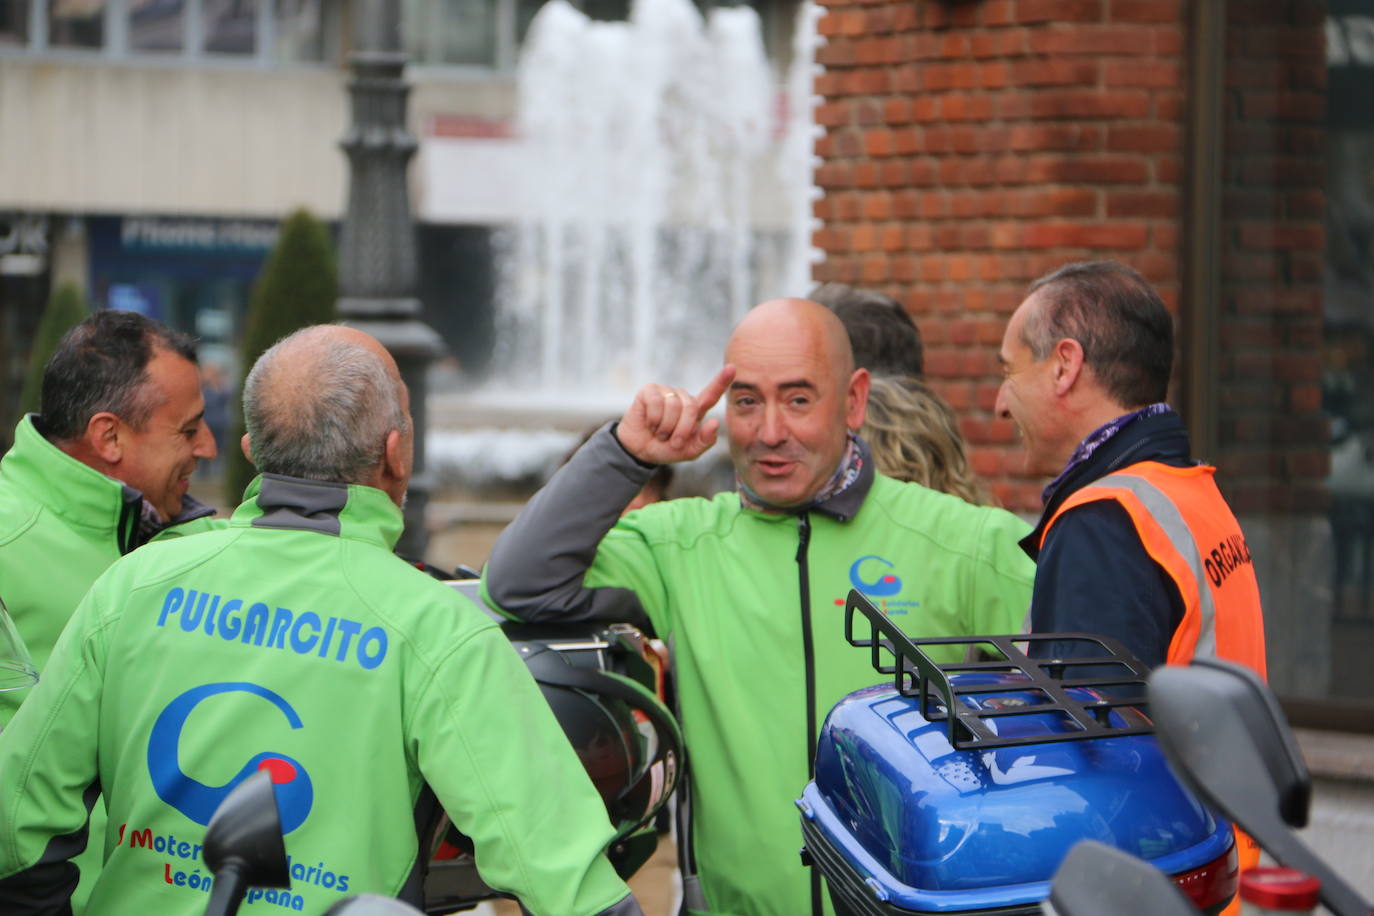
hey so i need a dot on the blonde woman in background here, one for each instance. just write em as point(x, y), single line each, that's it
point(914, 436)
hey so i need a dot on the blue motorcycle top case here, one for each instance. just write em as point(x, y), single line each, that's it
point(900, 820)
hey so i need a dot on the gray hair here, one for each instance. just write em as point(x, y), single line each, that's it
point(1117, 318)
point(334, 430)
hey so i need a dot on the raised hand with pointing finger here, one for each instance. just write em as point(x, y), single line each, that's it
point(665, 425)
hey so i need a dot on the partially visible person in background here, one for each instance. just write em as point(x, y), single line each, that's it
point(655, 489)
point(884, 338)
point(915, 437)
point(215, 388)
point(913, 432)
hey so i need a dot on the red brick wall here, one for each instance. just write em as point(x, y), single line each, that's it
point(972, 146)
point(1273, 435)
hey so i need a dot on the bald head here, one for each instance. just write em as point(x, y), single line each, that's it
point(798, 326)
point(794, 396)
point(321, 405)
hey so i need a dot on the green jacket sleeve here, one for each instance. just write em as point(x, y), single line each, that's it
point(48, 763)
point(510, 781)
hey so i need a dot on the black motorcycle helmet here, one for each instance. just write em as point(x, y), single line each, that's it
point(625, 737)
point(604, 683)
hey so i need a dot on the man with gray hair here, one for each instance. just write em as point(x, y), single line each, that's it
point(1135, 541)
point(295, 641)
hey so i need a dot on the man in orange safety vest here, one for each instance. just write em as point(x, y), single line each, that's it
point(1135, 541)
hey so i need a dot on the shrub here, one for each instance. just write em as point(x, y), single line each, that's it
point(65, 310)
point(298, 287)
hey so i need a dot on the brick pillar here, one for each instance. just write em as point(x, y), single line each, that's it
point(972, 146)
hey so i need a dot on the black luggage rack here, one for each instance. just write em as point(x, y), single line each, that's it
point(915, 674)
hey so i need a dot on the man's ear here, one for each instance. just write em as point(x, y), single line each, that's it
point(393, 456)
point(856, 398)
point(247, 450)
point(1068, 364)
point(102, 437)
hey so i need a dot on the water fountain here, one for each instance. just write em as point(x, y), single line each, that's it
point(667, 188)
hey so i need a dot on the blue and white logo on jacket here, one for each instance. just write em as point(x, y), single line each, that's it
point(198, 801)
point(876, 577)
point(869, 575)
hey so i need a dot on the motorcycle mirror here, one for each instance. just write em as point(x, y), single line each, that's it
point(1218, 722)
point(1095, 878)
point(1223, 732)
point(371, 905)
point(243, 844)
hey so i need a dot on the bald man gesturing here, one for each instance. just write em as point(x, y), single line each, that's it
point(748, 587)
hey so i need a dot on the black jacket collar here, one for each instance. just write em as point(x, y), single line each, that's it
point(1161, 438)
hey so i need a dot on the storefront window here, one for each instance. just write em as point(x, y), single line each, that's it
point(14, 23)
point(76, 23)
point(299, 30)
point(157, 26)
point(1294, 375)
point(231, 26)
point(1348, 338)
point(451, 32)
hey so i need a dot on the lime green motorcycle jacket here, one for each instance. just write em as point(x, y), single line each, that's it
point(295, 641)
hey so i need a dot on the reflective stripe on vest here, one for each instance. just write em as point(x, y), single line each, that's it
point(1171, 522)
point(1173, 511)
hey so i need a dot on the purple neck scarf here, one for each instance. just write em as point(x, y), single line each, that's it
point(1097, 438)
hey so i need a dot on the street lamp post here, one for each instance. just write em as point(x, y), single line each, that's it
point(377, 272)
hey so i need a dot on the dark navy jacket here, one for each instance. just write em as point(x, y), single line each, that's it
point(1093, 574)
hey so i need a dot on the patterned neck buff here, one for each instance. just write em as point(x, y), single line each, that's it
point(1097, 438)
point(849, 470)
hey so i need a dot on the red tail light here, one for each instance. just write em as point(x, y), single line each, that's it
point(1213, 885)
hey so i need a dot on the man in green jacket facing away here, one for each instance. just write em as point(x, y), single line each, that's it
point(748, 588)
point(102, 469)
point(294, 640)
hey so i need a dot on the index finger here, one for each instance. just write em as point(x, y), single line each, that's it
point(715, 388)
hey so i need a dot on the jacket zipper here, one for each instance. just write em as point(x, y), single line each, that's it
point(809, 658)
point(808, 649)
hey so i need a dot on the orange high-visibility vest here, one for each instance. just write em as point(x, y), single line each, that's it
point(1188, 529)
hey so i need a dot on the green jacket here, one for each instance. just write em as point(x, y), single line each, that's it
point(296, 641)
point(62, 523)
point(730, 589)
